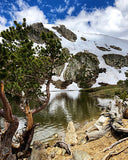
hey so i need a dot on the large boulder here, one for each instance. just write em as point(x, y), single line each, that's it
point(66, 33)
point(71, 136)
point(116, 48)
point(83, 68)
point(115, 60)
point(35, 32)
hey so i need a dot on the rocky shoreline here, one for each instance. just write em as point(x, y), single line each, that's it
point(81, 145)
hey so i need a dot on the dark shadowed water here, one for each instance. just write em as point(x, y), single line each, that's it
point(63, 107)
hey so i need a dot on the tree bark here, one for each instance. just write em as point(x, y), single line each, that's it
point(29, 117)
point(6, 138)
point(6, 149)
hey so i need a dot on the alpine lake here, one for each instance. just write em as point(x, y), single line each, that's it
point(64, 106)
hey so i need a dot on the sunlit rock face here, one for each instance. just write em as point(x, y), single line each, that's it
point(83, 69)
point(71, 136)
point(35, 32)
point(66, 33)
point(115, 60)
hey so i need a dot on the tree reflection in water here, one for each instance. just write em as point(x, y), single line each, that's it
point(64, 107)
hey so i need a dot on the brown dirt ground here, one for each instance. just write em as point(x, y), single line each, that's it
point(95, 148)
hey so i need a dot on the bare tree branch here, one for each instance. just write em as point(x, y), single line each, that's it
point(114, 144)
point(46, 101)
point(113, 153)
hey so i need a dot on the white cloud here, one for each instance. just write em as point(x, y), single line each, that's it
point(110, 21)
point(3, 22)
point(71, 9)
point(122, 5)
point(61, 9)
point(22, 4)
point(32, 15)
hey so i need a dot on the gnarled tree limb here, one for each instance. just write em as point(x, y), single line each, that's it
point(46, 101)
point(113, 153)
point(29, 117)
point(114, 144)
point(6, 141)
point(6, 105)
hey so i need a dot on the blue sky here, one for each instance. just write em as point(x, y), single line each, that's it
point(100, 16)
point(53, 9)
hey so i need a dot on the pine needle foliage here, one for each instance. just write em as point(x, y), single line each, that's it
point(20, 69)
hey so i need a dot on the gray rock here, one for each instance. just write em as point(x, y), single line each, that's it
point(115, 60)
point(39, 152)
point(66, 33)
point(80, 155)
point(103, 48)
point(83, 68)
point(116, 48)
point(58, 70)
point(35, 32)
point(71, 136)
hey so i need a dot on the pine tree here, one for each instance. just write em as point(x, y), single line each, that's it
point(23, 72)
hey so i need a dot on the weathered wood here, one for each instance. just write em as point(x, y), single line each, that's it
point(28, 113)
point(6, 140)
point(64, 146)
point(107, 156)
point(6, 105)
point(99, 129)
point(113, 153)
point(91, 136)
point(115, 115)
point(120, 130)
point(116, 143)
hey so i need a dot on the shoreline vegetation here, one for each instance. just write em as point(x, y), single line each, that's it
point(107, 91)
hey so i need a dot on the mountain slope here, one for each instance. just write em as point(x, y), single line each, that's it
point(99, 45)
point(97, 58)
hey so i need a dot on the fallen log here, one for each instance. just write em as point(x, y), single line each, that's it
point(64, 146)
point(119, 129)
point(110, 119)
point(97, 134)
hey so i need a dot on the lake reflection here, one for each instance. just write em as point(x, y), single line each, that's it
point(63, 107)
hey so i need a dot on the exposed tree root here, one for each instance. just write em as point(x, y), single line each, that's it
point(114, 144)
point(113, 153)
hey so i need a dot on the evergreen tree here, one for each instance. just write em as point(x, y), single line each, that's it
point(22, 71)
point(19, 65)
point(53, 51)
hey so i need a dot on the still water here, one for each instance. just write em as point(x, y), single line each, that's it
point(63, 107)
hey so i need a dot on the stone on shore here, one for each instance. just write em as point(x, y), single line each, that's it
point(39, 152)
point(71, 136)
point(80, 155)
